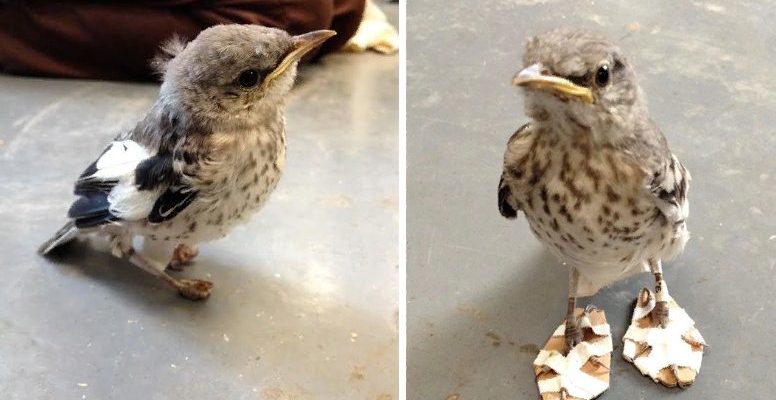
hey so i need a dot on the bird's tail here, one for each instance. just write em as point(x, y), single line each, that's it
point(63, 235)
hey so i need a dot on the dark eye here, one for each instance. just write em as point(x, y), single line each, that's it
point(248, 78)
point(602, 75)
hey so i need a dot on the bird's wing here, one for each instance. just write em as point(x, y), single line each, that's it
point(668, 186)
point(128, 183)
point(512, 178)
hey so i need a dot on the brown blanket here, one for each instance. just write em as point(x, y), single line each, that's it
point(115, 40)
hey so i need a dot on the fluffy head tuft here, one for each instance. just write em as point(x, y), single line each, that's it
point(167, 51)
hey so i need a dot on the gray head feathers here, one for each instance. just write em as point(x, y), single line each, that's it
point(571, 52)
point(219, 76)
point(591, 62)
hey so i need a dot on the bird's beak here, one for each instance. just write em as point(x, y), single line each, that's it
point(301, 45)
point(533, 77)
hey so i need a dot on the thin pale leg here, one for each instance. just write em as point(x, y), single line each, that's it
point(572, 334)
point(660, 312)
point(182, 256)
point(192, 289)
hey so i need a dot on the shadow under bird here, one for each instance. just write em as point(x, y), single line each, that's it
point(601, 190)
point(204, 158)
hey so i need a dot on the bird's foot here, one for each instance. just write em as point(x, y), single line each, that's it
point(583, 371)
point(572, 335)
point(660, 314)
point(662, 342)
point(194, 289)
point(182, 255)
point(121, 246)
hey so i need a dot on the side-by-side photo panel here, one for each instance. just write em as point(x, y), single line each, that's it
point(200, 200)
point(588, 199)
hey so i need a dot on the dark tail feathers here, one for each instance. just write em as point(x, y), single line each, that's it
point(64, 235)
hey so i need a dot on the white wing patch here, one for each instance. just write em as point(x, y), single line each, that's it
point(120, 159)
point(118, 163)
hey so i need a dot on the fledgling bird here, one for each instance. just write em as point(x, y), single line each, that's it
point(593, 174)
point(203, 159)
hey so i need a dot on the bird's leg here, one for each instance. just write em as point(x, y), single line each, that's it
point(572, 334)
point(563, 371)
point(660, 312)
point(192, 289)
point(181, 256)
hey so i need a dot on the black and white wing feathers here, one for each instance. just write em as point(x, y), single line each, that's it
point(171, 202)
point(128, 183)
point(669, 186)
point(513, 176)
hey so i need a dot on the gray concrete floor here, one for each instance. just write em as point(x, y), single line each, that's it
point(706, 68)
point(305, 299)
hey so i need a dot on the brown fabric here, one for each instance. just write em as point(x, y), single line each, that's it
point(115, 40)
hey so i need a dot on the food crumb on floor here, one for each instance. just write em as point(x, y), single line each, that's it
point(496, 339)
point(471, 311)
point(357, 372)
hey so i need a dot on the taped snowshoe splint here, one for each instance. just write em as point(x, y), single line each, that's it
point(671, 355)
point(584, 372)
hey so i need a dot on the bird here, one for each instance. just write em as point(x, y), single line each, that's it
point(592, 172)
point(203, 159)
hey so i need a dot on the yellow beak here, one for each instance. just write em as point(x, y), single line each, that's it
point(532, 77)
point(301, 45)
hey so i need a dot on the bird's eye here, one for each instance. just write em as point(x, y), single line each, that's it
point(248, 78)
point(602, 75)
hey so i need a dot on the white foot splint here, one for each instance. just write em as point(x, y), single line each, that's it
point(671, 355)
point(583, 373)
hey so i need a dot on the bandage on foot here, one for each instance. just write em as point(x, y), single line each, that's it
point(670, 355)
point(583, 373)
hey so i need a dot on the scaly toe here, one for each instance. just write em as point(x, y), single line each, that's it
point(572, 336)
point(182, 255)
point(660, 314)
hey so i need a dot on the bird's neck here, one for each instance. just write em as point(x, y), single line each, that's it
point(209, 117)
point(600, 132)
point(258, 115)
point(605, 125)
